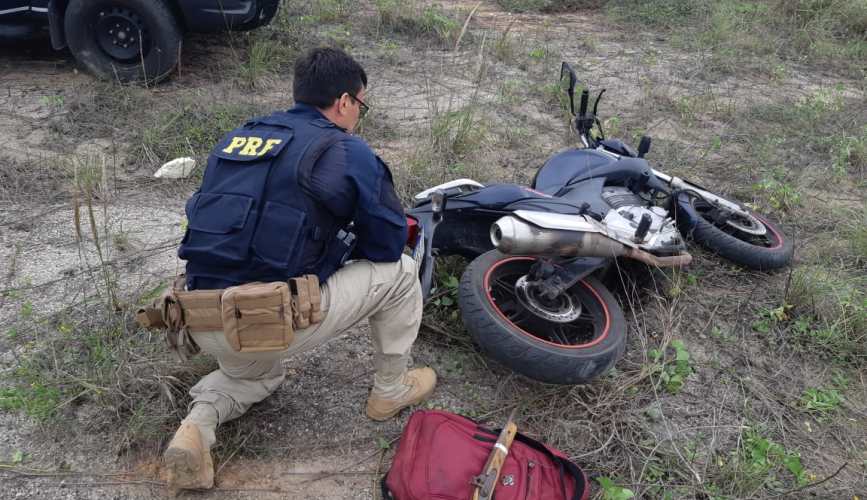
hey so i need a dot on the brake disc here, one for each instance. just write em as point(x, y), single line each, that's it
point(562, 309)
point(748, 224)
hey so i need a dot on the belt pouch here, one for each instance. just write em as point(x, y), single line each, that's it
point(201, 310)
point(257, 317)
point(301, 305)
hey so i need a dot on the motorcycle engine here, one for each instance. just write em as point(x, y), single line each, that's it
point(618, 196)
point(628, 209)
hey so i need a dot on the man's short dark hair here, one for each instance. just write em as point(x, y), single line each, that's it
point(324, 74)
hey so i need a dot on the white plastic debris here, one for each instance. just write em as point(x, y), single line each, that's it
point(179, 168)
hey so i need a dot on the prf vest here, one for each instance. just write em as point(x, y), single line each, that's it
point(253, 219)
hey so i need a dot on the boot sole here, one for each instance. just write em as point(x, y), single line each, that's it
point(184, 471)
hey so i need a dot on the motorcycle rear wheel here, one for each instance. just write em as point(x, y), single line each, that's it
point(735, 239)
point(556, 352)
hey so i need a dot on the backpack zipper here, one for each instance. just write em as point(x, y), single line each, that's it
point(530, 466)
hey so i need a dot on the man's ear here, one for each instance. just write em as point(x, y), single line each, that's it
point(342, 102)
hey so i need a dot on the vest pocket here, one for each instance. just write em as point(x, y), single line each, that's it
point(219, 227)
point(279, 241)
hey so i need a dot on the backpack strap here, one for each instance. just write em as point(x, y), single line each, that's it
point(566, 467)
point(386, 493)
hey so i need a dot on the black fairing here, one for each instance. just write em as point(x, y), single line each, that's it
point(565, 169)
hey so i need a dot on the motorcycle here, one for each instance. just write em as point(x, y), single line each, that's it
point(531, 297)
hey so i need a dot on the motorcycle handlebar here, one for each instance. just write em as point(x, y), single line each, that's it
point(585, 96)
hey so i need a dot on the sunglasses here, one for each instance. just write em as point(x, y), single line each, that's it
point(364, 107)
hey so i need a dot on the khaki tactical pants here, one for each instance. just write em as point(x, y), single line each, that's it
point(387, 294)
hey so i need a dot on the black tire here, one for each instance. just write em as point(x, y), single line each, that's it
point(590, 346)
point(767, 252)
point(128, 40)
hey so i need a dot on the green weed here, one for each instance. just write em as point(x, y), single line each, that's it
point(97, 362)
point(444, 296)
point(549, 5)
point(26, 311)
point(53, 101)
point(611, 491)
point(456, 134)
point(769, 317)
point(409, 17)
point(35, 399)
point(449, 295)
point(821, 401)
point(390, 50)
point(190, 130)
point(855, 233)
point(832, 312)
point(260, 62)
point(672, 373)
point(762, 456)
point(329, 11)
point(538, 53)
point(509, 92)
point(339, 35)
point(780, 193)
point(659, 14)
point(757, 34)
point(850, 155)
point(504, 47)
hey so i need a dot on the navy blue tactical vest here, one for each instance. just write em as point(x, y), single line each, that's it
point(252, 219)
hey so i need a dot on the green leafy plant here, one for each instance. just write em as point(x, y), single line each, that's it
point(673, 374)
point(410, 17)
point(763, 455)
point(447, 293)
point(768, 317)
point(26, 310)
point(611, 491)
point(781, 195)
point(36, 400)
point(538, 53)
point(821, 401)
point(54, 101)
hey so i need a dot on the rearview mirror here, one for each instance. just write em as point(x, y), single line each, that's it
point(573, 79)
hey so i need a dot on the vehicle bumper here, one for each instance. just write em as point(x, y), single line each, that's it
point(204, 16)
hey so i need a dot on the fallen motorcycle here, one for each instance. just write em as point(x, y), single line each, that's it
point(531, 297)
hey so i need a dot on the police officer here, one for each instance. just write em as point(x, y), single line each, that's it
point(276, 202)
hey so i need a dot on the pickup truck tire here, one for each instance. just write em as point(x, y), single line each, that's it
point(125, 40)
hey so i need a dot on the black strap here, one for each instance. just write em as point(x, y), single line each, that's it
point(566, 466)
point(386, 493)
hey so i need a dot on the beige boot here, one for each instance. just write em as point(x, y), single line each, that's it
point(188, 462)
point(421, 382)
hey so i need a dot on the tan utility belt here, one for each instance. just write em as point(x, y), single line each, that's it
point(254, 317)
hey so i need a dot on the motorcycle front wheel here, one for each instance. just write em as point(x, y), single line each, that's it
point(754, 242)
point(569, 340)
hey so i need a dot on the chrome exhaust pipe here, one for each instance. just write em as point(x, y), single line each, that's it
point(512, 235)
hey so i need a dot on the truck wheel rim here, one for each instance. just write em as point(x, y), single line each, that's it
point(122, 34)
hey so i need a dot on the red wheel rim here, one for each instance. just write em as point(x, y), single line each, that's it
point(586, 288)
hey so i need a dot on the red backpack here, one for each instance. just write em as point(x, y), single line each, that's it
point(440, 453)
